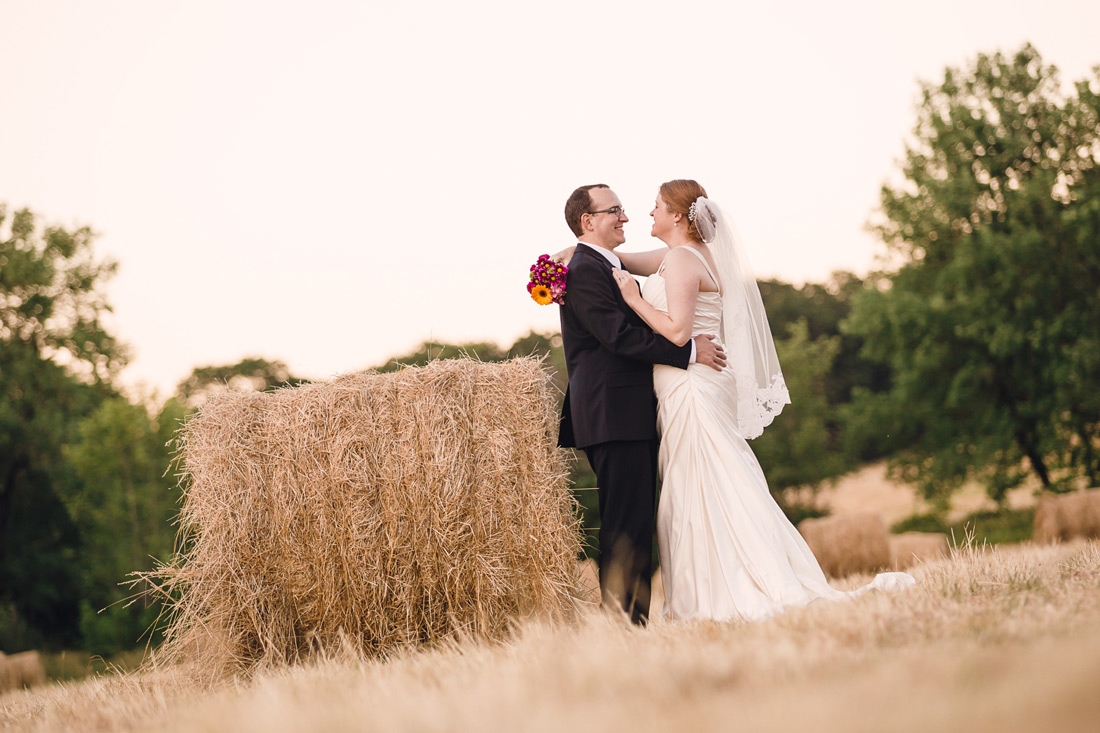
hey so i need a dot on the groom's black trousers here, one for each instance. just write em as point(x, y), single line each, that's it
point(626, 475)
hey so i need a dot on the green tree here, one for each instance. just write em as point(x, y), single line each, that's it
point(56, 364)
point(991, 320)
point(251, 373)
point(432, 350)
point(824, 307)
point(124, 505)
point(810, 443)
point(798, 449)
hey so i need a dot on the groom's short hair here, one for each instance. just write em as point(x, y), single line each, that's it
point(578, 204)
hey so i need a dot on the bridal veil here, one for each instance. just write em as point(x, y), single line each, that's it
point(750, 348)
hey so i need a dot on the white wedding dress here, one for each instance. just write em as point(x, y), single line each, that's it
point(727, 550)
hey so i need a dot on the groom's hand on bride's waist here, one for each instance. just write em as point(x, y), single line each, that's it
point(709, 352)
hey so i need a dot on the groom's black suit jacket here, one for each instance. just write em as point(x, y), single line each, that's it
point(610, 353)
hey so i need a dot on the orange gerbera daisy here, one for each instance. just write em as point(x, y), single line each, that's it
point(542, 295)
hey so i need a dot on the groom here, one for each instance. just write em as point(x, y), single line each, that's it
point(610, 409)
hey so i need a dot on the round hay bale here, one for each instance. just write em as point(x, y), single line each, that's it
point(21, 670)
point(909, 548)
point(380, 510)
point(1048, 523)
point(1061, 517)
point(848, 543)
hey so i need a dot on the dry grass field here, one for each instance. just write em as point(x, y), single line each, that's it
point(991, 639)
point(870, 489)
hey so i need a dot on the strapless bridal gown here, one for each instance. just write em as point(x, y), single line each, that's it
point(727, 550)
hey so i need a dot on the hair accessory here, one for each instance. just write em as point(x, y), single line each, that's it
point(703, 215)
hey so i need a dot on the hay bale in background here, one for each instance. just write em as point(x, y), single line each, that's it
point(909, 548)
point(379, 509)
point(1047, 519)
point(21, 670)
point(1061, 517)
point(847, 543)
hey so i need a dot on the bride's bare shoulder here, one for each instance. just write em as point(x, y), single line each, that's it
point(682, 259)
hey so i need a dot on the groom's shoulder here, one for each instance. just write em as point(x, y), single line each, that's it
point(585, 260)
point(583, 264)
point(585, 272)
point(586, 278)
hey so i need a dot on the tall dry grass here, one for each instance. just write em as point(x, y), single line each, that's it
point(1004, 639)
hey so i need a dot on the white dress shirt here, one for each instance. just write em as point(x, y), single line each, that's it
point(605, 253)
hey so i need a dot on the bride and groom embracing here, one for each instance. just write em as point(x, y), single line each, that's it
point(687, 363)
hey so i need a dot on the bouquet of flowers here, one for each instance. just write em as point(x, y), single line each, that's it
point(547, 283)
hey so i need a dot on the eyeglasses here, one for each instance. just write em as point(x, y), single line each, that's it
point(616, 211)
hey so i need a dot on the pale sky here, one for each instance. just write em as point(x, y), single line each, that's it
point(331, 183)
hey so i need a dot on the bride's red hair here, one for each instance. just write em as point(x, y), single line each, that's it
point(679, 195)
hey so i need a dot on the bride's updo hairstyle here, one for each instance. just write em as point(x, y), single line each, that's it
point(679, 195)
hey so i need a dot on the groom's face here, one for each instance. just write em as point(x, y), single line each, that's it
point(606, 227)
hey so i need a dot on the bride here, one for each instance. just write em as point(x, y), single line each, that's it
point(727, 551)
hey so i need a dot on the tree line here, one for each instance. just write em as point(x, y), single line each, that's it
point(974, 354)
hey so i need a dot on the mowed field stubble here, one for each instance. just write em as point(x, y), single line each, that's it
point(997, 639)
